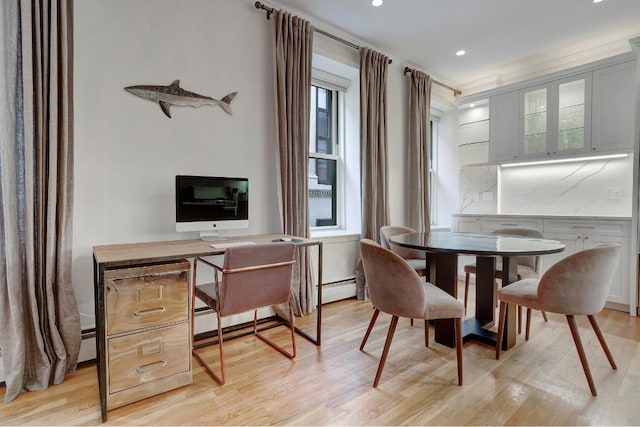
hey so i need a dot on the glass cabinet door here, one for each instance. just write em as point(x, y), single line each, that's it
point(571, 100)
point(535, 121)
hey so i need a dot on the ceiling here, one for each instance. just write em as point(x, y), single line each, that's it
point(505, 40)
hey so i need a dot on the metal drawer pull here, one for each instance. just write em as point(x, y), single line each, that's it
point(590, 227)
point(508, 225)
point(149, 311)
point(151, 366)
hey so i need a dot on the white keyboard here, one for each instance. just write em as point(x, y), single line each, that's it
point(224, 245)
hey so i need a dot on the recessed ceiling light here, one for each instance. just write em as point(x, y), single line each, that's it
point(376, 3)
point(460, 52)
point(597, 1)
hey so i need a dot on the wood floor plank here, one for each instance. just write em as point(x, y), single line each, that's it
point(539, 382)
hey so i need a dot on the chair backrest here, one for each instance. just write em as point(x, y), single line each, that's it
point(392, 230)
point(530, 261)
point(394, 287)
point(579, 283)
point(255, 276)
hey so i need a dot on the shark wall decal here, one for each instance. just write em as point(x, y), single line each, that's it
point(173, 94)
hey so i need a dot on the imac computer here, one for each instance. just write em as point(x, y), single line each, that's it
point(208, 204)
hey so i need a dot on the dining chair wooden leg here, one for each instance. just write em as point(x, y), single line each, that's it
point(527, 325)
point(466, 290)
point(501, 318)
point(519, 319)
point(426, 333)
point(603, 343)
point(385, 351)
point(411, 321)
point(544, 316)
point(583, 358)
point(458, 327)
point(371, 323)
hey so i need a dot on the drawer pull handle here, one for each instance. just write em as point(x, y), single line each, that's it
point(151, 366)
point(588, 227)
point(508, 225)
point(139, 313)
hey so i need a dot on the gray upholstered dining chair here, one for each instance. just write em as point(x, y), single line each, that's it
point(528, 267)
point(252, 277)
point(576, 285)
point(416, 259)
point(395, 288)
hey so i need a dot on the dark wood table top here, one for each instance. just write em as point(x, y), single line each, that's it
point(477, 244)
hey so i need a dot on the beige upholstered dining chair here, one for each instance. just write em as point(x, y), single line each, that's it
point(576, 285)
point(416, 259)
point(252, 277)
point(395, 288)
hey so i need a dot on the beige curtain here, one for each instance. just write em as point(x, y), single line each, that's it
point(418, 158)
point(39, 319)
point(293, 47)
point(373, 150)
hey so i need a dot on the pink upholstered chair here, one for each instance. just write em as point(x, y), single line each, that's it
point(252, 277)
point(576, 285)
point(395, 288)
point(416, 259)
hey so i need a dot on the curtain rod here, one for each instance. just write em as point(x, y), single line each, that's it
point(269, 11)
point(455, 91)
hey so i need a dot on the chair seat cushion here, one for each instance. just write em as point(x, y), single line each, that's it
point(524, 271)
point(208, 293)
point(417, 264)
point(523, 292)
point(441, 305)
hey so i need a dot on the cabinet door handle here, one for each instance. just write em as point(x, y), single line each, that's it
point(140, 313)
point(151, 366)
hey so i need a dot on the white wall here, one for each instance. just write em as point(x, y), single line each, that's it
point(127, 152)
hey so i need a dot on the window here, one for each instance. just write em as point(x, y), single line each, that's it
point(324, 158)
point(433, 172)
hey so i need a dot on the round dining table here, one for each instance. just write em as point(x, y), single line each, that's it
point(443, 248)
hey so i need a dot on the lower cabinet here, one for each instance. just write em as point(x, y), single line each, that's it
point(576, 233)
point(148, 331)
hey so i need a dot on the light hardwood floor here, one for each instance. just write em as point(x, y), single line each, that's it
point(539, 382)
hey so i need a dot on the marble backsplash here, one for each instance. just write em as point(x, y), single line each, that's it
point(579, 188)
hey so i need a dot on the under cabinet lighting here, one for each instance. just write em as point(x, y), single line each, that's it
point(567, 160)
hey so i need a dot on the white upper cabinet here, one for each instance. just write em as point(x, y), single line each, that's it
point(505, 126)
point(588, 111)
point(613, 107)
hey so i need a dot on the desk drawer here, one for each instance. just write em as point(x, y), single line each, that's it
point(601, 227)
point(147, 296)
point(143, 357)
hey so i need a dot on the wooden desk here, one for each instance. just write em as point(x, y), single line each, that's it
point(446, 246)
point(153, 255)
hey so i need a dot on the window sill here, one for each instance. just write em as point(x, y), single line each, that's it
point(334, 233)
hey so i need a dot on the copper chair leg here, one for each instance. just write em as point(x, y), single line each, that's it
point(583, 358)
point(385, 351)
point(528, 325)
point(458, 327)
point(371, 323)
point(275, 346)
point(220, 380)
point(501, 318)
point(603, 343)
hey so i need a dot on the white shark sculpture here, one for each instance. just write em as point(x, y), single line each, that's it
point(166, 96)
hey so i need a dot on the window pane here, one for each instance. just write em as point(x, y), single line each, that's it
point(322, 98)
point(322, 192)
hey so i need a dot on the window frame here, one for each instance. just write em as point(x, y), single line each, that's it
point(338, 153)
